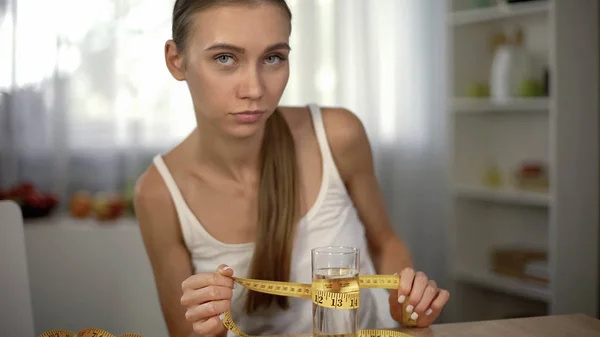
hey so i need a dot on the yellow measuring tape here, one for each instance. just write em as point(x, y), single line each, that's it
point(339, 293)
point(90, 332)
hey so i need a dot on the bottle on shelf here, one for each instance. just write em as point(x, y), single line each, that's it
point(493, 176)
point(512, 69)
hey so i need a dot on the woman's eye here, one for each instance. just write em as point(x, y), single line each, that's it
point(225, 59)
point(273, 59)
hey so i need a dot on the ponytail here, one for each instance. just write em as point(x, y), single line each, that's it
point(277, 210)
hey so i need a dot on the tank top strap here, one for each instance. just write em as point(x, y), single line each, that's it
point(329, 165)
point(181, 206)
point(165, 173)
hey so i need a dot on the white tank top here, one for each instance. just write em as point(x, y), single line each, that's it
point(332, 221)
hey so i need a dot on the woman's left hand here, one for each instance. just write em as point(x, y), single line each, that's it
point(424, 300)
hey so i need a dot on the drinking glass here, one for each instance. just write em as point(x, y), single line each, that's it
point(335, 262)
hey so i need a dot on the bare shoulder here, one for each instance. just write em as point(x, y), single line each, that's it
point(348, 141)
point(345, 132)
point(342, 126)
point(150, 190)
point(154, 208)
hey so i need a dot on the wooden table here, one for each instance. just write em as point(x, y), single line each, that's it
point(546, 326)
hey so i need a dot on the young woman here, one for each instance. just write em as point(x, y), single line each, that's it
point(255, 186)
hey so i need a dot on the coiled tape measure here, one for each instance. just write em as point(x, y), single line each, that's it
point(91, 332)
point(339, 293)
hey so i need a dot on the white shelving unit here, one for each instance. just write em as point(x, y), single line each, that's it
point(481, 105)
point(503, 283)
point(502, 11)
point(510, 196)
point(559, 130)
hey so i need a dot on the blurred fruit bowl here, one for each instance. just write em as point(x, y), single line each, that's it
point(103, 206)
point(30, 212)
point(34, 203)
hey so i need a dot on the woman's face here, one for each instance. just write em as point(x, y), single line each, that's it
point(235, 65)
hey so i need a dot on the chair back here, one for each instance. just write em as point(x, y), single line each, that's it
point(16, 314)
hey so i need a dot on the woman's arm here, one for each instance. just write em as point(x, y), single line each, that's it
point(352, 154)
point(166, 251)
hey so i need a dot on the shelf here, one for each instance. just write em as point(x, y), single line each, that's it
point(486, 105)
point(509, 285)
point(502, 195)
point(478, 15)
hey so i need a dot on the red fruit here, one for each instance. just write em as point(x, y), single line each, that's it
point(24, 189)
point(35, 200)
point(20, 192)
point(51, 200)
point(13, 193)
point(27, 186)
point(116, 209)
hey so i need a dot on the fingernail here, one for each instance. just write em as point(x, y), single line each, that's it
point(414, 316)
point(234, 285)
point(428, 312)
point(409, 308)
point(221, 316)
point(396, 273)
point(401, 299)
point(228, 267)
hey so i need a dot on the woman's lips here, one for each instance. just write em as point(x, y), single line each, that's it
point(249, 116)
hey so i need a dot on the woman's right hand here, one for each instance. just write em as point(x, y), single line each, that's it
point(206, 296)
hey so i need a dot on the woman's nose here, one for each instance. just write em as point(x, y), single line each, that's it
point(252, 86)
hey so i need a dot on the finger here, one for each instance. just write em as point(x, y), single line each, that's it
point(203, 280)
point(435, 309)
point(428, 296)
point(213, 325)
point(206, 310)
point(206, 294)
point(438, 303)
point(407, 277)
point(225, 270)
point(416, 293)
point(395, 307)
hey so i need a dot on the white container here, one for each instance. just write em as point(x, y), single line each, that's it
point(511, 66)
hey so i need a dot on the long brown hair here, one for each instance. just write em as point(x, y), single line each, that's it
point(278, 190)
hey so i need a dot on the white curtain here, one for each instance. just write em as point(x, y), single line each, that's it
point(87, 99)
point(385, 61)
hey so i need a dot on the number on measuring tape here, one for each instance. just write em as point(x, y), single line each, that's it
point(318, 299)
point(332, 300)
point(336, 304)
